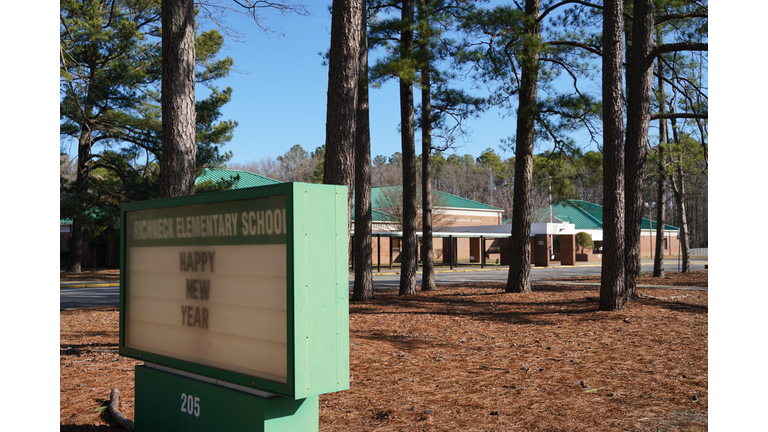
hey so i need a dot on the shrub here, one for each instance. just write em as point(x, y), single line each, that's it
point(584, 241)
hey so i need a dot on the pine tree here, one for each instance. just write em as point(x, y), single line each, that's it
point(515, 51)
point(343, 78)
point(613, 294)
point(363, 287)
point(416, 44)
point(110, 75)
point(646, 15)
point(177, 170)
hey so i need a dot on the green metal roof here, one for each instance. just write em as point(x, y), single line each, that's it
point(91, 213)
point(378, 216)
point(378, 199)
point(247, 179)
point(580, 213)
point(453, 201)
point(646, 222)
point(444, 199)
point(586, 215)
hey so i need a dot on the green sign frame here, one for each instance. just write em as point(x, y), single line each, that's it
point(314, 229)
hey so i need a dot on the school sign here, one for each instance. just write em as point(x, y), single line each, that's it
point(241, 293)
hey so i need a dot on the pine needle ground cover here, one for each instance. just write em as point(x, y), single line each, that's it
point(471, 358)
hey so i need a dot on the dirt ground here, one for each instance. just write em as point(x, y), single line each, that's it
point(471, 358)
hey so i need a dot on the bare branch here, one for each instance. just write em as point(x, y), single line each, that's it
point(590, 48)
point(664, 18)
point(680, 46)
point(216, 11)
point(565, 2)
point(567, 68)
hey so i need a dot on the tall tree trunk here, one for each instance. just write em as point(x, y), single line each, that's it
point(410, 243)
point(658, 262)
point(82, 175)
point(678, 191)
point(427, 246)
point(638, 117)
point(613, 294)
point(177, 168)
point(363, 287)
point(341, 113)
point(75, 264)
point(519, 279)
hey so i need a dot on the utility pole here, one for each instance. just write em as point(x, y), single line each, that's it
point(490, 181)
point(551, 237)
point(650, 226)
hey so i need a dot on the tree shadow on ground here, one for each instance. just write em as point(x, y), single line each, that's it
point(405, 342)
point(568, 306)
point(100, 333)
point(512, 308)
point(105, 416)
point(79, 349)
point(676, 306)
point(87, 428)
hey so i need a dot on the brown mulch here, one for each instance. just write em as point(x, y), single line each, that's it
point(471, 358)
point(693, 279)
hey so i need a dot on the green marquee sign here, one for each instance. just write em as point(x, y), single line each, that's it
point(248, 287)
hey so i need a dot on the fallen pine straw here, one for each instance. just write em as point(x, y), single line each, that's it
point(471, 358)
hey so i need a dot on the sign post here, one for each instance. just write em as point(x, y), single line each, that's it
point(237, 301)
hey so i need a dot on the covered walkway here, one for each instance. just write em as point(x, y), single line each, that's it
point(452, 249)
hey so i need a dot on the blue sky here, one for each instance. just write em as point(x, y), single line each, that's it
point(280, 85)
point(280, 94)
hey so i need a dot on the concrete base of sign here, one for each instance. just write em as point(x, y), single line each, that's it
point(170, 402)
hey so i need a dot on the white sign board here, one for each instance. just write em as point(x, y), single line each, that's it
point(207, 284)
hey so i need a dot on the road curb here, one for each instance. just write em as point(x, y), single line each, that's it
point(89, 308)
point(96, 285)
point(671, 287)
point(393, 272)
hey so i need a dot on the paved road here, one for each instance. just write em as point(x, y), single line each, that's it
point(387, 280)
point(70, 298)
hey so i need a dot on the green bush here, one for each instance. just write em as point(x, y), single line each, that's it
point(584, 241)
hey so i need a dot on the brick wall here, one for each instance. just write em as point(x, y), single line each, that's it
point(468, 248)
point(568, 249)
point(541, 248)
point(648, 246)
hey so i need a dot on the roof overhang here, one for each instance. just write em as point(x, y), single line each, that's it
point(563, 228)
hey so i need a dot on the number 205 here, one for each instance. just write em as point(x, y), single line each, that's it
point(190, 405)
